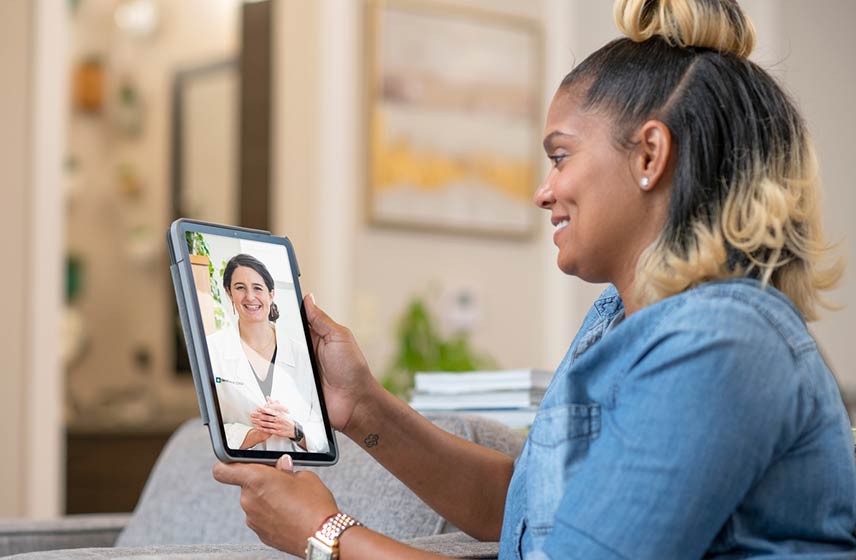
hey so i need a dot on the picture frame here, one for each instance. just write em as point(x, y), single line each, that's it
point(453, 109)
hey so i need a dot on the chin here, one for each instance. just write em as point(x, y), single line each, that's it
point(573, 267)
point(567, 266)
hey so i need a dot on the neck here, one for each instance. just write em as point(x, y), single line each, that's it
point(256, 335)
point(624, 282)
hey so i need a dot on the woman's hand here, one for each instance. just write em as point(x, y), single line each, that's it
point(345, 375)
point(284, 508)
point(254, 437)
point(274, 419)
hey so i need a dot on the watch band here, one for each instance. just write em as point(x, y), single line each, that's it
point(298, 432)
point(324, 544)
point(333, 528)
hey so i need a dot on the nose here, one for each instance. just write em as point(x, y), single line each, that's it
point(544, 195)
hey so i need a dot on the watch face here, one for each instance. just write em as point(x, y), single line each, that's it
point(316, 550)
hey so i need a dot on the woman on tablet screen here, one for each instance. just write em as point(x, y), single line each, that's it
point(263, 378)
point(693, 415)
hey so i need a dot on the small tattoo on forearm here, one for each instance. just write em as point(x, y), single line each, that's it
point(371, 440)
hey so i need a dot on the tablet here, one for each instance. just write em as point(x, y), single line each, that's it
point(249, 346)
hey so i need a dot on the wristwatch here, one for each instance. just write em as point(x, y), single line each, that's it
point(324, 545)
point(298, 432)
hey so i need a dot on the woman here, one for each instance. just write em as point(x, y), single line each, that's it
point(693, 414)
point(264, 381)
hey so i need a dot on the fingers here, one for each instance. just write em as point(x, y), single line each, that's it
point(284, 463)
point(270, 400)
point(272, 405)
point(272, 416)
point(237, 474)
point(275, 406)
point(269, 424)
point(320, 322)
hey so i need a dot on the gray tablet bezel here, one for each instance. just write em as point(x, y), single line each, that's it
point(200, 365)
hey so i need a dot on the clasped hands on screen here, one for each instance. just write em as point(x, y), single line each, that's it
point(274, 419)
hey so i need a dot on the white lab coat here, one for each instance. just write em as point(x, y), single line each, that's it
point(239, 393)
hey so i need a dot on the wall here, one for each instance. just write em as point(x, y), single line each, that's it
point(32, 39)
point(15, 52)
point(816, 57)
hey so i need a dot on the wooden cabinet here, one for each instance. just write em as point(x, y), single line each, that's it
point(106, 471)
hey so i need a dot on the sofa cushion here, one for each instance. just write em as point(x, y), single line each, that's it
point(183, 504)
point(454, 545)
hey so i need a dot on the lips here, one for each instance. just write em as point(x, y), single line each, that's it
point(252, 307)
point(560, 223)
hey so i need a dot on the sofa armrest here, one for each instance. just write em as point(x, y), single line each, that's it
point(73, 531)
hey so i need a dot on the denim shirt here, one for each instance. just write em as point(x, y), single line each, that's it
point(705, 425)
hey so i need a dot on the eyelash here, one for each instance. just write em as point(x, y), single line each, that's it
point(557, 159)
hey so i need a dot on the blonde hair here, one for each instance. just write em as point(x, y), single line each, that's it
point(719, 24)
point(745, 198)
point(772, 219)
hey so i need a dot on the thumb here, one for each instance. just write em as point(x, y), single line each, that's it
point(320, 322)
point(284, 463)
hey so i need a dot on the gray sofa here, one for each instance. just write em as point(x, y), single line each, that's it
point(184, 513)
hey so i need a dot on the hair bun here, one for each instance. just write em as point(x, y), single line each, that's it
point(714, 24)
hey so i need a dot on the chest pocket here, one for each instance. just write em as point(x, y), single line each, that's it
point(558, 442)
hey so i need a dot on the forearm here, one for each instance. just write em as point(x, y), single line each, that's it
point(464, 482)
point(360, 543)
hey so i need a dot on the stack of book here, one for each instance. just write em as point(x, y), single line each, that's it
point(511, 396)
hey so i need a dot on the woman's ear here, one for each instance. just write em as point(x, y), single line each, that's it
point(651, 154)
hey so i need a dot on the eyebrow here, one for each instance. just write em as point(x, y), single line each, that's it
point(550, 138)
point(252, 284)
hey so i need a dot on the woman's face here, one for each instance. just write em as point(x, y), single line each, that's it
point(594, 201)
point(250, 295)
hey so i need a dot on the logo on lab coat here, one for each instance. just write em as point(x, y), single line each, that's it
point(224, 380)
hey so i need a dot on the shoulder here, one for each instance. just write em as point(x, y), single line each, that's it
point(222, 341)
point(225, 334)
point(289, 350)
point(284, 340)
point(731, 341)
point(738, 312)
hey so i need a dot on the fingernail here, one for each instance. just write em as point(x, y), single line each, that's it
point(285, 463)
point(312, 297)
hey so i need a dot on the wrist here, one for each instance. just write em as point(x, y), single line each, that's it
point(297, 434)
point(367, 410)
point(324, 543)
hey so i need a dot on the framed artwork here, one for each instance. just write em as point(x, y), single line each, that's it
point(454, 127)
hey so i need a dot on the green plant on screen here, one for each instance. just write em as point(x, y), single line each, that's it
point(197, 245)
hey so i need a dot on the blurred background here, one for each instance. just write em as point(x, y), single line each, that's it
point(396, 144)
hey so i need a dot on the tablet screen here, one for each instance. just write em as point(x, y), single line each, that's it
point(257, 348)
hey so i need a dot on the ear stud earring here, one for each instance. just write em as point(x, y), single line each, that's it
point(645, 182)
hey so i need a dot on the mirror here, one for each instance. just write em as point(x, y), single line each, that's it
point(205, 136)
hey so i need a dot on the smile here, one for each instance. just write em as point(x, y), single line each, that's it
point(562, 224)
point(252, 307)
